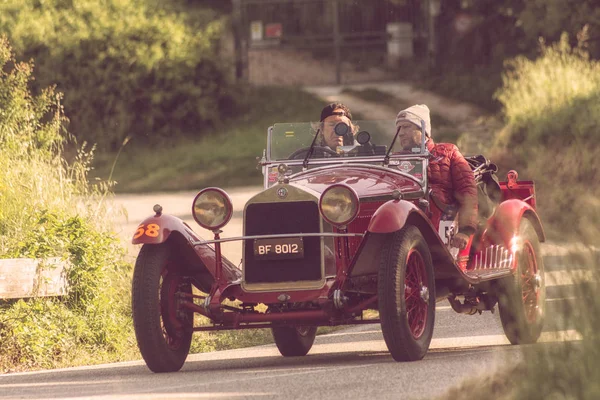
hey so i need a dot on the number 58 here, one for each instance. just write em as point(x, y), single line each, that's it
point(152, 230)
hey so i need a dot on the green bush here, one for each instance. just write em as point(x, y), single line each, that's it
point(127, 67)
point(47, 209)
point(552, 109)
point(555, 95)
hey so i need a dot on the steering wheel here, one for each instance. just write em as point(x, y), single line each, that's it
point(316, 149)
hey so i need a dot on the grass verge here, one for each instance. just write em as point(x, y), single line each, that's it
point(551, 108)
point(227, 157)
point(47, 209)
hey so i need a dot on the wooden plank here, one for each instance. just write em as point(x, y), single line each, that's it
point(29, 277)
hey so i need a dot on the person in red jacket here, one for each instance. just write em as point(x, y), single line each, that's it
point(451, 178)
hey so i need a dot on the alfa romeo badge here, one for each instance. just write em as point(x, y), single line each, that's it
point(282, 193)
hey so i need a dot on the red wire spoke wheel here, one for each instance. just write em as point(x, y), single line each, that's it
point(406, 294)
point(522, 297)
point(416, 306)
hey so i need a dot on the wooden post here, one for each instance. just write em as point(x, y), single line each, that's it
point(32, 277)
point(239, 40)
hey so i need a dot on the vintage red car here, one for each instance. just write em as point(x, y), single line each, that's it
point(333, 234)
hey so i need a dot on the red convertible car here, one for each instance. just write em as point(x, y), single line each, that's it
point(333, 234)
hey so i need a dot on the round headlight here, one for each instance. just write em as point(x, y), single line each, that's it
point(339, 205)
point(212, 208)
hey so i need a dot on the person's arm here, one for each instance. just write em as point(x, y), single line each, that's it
point(465, 192)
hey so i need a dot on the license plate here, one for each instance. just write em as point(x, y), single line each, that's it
point(278, 248)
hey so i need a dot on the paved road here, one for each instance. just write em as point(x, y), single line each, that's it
point(352, 363)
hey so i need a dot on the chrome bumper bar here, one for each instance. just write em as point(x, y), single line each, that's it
point(281, 235)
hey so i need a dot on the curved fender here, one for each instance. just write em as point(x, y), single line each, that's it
point(156, 229)
point(391, 216)
point(507, 218)
point(394, 214)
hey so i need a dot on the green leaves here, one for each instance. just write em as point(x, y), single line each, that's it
point(554, 95)
point(27, 123)
point(126, 68)
point(47, 209)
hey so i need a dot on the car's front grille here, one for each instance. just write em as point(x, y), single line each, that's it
point(277, 218)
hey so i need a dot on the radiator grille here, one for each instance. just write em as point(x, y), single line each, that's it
point(276, 218)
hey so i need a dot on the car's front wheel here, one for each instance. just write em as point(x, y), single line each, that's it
point(522, 297)
point(406, 291)
point(163, 331)
point(294, 341)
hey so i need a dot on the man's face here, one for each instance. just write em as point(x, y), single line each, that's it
point(331, 139)
point(409, 136)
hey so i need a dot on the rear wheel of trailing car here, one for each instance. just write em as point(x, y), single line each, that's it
point(163, 332)
point(294, 341)
point(406, 291)
point(522, 297)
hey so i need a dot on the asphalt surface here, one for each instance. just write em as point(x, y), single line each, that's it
point(351, 363)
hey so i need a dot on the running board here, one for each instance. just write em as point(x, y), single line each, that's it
point(481, 274)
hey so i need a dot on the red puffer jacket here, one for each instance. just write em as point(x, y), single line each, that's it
point(452, 182)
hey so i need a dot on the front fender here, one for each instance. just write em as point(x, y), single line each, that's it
point(391, 216)
point(504, 224)
point(158, 228)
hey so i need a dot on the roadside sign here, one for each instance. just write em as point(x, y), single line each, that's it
point(256, 30)
point(273, 30)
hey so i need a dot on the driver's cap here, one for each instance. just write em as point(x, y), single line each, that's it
point(329, 110)
point(415, 114)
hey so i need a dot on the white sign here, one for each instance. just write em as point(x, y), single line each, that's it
point(256, 30)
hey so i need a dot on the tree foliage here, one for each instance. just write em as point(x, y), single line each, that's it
point(127, 67)
point(549, 18)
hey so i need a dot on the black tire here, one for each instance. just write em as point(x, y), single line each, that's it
point(522, 297)
point(294, 341)
point(406, 300)
point(163, 335)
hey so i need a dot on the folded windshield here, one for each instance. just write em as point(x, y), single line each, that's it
point(371, 139)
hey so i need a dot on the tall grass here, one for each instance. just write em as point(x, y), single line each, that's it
point(47, 208)
point(556, 95)
point(552, 109)
point(552, 106)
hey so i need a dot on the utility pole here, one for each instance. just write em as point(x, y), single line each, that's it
point(337, 42)
point(433, 10)
point(239, 40)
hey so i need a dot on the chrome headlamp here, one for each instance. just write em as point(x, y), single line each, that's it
point(339, 205)
point(212, 208)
